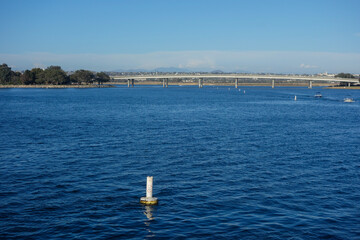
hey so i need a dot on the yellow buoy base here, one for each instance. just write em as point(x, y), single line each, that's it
point(149, 201)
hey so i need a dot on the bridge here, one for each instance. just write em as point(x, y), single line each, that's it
point(235, 77)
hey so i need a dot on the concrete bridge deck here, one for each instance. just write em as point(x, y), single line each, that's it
point(236, 77)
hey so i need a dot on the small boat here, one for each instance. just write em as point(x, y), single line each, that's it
point(318, 95)
point(348, 100)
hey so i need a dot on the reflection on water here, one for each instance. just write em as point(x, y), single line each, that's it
point(149, 214)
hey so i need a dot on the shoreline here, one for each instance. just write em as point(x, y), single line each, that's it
point(57, 86)
point(142, 83)
point(350, 88)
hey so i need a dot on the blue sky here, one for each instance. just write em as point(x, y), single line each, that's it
point(284, 36)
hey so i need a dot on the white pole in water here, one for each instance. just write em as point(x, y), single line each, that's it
point(295, 98)
point(149, 187)
point(149, 199)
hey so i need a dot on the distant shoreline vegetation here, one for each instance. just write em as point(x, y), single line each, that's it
point(52, 75)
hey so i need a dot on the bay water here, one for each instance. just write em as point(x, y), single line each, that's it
point(248, 163)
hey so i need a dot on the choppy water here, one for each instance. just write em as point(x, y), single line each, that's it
point(226, 164)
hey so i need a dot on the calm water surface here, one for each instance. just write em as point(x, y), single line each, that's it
point(226, 164)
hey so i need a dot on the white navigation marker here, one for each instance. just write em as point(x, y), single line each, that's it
point(149, 199)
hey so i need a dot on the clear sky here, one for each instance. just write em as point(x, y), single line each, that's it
point(281, 36)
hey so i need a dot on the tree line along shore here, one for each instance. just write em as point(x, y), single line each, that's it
point(51, 77)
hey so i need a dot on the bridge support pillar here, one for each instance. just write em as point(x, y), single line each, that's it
point(273, 83)
point(132, 82)
point(349, 84)
point(128, 82)
point(236, 82)
point(200, 83)
point(310, 84)
point(167, 82)
point(163, 82)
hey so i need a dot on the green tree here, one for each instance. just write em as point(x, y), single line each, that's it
point(55, 75)
point(27, 77)
point(16, 78)
point(102, 77)
point(5, 74)
point(82, 76)
point(344, 75)
point(39, 75)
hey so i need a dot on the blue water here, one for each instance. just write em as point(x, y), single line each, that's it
point(226, 164)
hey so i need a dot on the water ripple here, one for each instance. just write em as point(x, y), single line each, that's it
point(255, 166)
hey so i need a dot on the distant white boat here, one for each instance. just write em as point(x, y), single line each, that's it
point(348, 100)
point(318, 95)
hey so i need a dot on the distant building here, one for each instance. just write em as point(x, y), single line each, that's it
point(326, 74)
